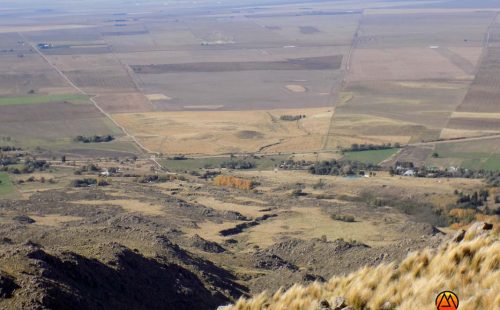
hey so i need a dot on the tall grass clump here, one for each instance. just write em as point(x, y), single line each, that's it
point(469, 267)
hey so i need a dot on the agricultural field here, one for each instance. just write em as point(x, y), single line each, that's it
point(41, 99)
point(413, 79)
point(203, 143)
point(483, 154)
point(212, 133)
point(371, 157)
point(197, 164)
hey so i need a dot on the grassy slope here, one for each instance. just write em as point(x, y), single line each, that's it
point(38, 99)
point(372, 157)
point(469, 268)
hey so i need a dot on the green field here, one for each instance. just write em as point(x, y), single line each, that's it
point(471, 155)
point(6, 186)
point(192, 164)
point(370, 157)
point(36, 99)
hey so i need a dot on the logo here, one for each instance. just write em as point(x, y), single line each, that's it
point(447, 301)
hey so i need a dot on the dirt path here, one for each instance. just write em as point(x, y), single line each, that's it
point(335, 90)
point(496, 136)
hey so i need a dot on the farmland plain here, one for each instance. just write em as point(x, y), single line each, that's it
point(382, 71)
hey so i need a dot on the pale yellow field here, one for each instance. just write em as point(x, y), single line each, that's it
point(54, 219)
point(156, 97)
point(361, 128)
point(307, 223)
point(427, 85)
point(476, 115)
point(448, 133)
point(402, 64)
point(211, 132)
point(296, 88)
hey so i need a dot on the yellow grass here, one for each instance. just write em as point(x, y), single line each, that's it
point(307, 223)
point(470, 269)
point(476, 115)
point(448, 133)
point(247, 210)
point(219, 132)
point(54, 219)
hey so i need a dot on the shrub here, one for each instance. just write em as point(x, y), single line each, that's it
point(291, 118)
point(83, 182)
point(153, 178)
point(238, 164)
point(343, 218)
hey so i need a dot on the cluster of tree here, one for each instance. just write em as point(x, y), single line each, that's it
point(472, 201)
point(400, 168)
point(493, 178)
point(178, 157)
point(370, 147)
point(153, 178)
point(237, 164)
point(6, 160)
point(343, 218)
point(207, 174)
point(347, 167)
point(89, 182)
point(33, 179)
point(94, 139)
point(290, 164)
point(90, 168)
point(291, 118)
point(8, 148)
point(31, 165)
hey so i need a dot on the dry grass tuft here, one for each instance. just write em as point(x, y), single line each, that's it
point(469, 268)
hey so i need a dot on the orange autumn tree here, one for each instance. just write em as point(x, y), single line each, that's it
point(223, 180)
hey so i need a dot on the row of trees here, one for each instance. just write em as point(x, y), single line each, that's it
point(94, 139)
point(347, 167)
point(291, 118)
point(370, 147)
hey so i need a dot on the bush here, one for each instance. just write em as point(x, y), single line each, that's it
point(237, 164)
point(83, 182)
point(291, 118)
point(153, 179)
point(343, 218)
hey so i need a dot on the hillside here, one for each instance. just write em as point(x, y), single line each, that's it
point(468, 265)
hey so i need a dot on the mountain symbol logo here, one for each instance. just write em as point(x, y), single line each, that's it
point(447, 300)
